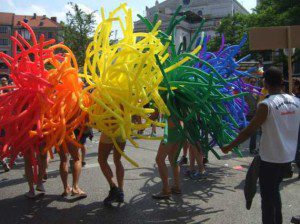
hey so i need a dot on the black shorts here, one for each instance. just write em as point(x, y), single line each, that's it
point(83, 138)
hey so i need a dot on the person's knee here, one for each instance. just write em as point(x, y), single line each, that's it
point(63, 158)
point(76, 157)
point(158, 159)
point(117, 160)
point(102, 160)
point(99, 159)
point(43, 157)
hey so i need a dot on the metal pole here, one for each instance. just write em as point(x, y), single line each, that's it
point(290, 68)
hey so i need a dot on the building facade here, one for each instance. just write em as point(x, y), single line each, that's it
point(10, 22)
point(195, 10)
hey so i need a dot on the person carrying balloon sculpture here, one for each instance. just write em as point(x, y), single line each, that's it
point(3, 162)
point(75, 190)
point(106, 145)
point(195, 155)
point(41, 160)
point(169, 149)
point(279, 117)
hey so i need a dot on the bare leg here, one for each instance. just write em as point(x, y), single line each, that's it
point(74, 152)
point(42, 164)
point(184, 159)
point(153, 130)
point(103, 153)
point(63, 168)
point(175, 166)
point(5, 165)
point(162, 167)
point(119, 166)
point(83, 151)
point(185, 148)
point(29, 173)
point(192, 159)
point(199, 158)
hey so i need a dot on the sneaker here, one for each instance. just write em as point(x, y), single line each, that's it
point(6, 167)
point(120, 197)
point(189, 172)
point(113, 196)
point(30, 195)
point(41, 188)
point(33, 195)
point(296, 220)
point(45, 177)
point(198, 176)
point(183, 161)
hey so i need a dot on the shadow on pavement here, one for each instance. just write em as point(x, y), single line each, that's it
point(141, 208)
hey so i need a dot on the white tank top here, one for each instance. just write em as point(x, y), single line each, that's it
point(278, 143)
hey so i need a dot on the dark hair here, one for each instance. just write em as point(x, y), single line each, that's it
point(273, 77)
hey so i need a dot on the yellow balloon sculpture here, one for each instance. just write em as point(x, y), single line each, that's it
point(123, 77)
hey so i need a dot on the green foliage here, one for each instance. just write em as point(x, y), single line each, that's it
point(233, 28)
point(268, 13)
point(77, 31)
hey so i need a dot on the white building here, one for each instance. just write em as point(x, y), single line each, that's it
point(211, 10)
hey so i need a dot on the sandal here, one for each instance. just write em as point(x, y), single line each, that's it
point(175, 191)
point(161, 196)
point(67, 192)
point(32, 195)
point(80, 194)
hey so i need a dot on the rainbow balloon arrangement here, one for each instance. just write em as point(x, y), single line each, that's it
point(226, 66)
point(203, 92)
point(47, 101)
point(42, 108)
point(123, 77)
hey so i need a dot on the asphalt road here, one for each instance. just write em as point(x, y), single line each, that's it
point(217, 200)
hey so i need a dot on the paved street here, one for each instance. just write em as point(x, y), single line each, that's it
point(217, 200)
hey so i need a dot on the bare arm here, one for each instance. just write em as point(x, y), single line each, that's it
point(256, 122)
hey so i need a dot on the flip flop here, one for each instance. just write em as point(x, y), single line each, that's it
point(66, 194)
point(79, 195)
point(175, 191)
point(161, 196)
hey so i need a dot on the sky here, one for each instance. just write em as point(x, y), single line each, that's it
point(59, 8)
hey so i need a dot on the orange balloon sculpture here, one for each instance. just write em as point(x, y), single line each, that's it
point(41, 108)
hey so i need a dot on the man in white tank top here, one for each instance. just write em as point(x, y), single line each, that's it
point(279, 117)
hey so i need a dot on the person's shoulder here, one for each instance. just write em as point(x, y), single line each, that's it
point(292, 97)
point(267, 99)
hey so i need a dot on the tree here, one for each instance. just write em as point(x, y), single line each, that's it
point(233, 28)
point(279, 13)
point(77, 31)
point(268, 13)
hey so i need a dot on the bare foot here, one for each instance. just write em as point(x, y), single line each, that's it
point(67, 191)
point(78, 192)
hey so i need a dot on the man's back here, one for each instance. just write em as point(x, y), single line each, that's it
point(280, 130)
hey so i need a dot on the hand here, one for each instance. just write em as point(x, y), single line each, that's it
point(226, 148)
